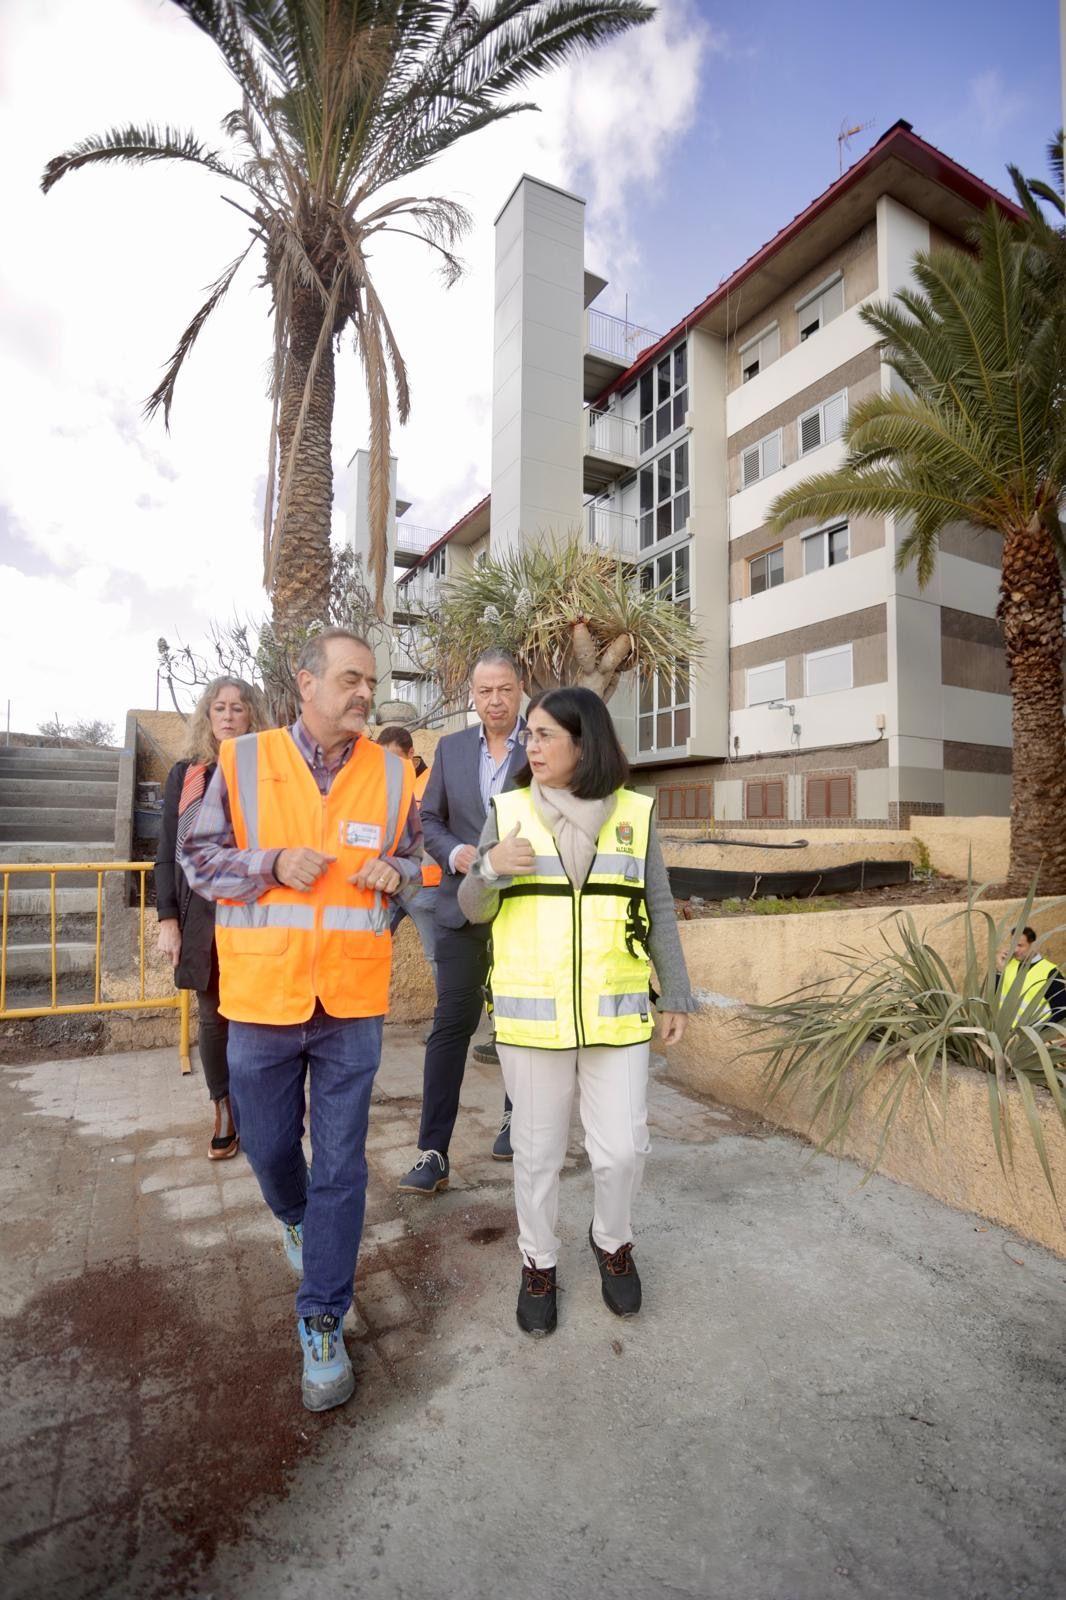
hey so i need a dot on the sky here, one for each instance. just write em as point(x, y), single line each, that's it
point(693, 140)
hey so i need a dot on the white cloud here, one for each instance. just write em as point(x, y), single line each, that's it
point(992, 105)
point(135, 533)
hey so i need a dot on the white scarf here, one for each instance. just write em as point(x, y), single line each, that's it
point(574, 825)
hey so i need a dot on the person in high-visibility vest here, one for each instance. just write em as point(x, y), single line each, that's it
point(303, 836)
point(570, 873)
point(419, 907)
point(1032, 982)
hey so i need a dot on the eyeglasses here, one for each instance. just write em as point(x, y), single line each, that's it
point(528, 736)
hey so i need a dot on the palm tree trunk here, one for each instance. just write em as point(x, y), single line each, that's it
point(302, 569)
point(1030, 611)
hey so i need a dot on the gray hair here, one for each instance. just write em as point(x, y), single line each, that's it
point(315, 653)
point(496, 656)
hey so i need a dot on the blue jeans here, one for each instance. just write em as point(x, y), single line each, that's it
point(420, 910)
point(268, 1067)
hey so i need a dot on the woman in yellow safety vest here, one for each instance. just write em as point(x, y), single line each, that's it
point(570, 873)
point(1026, 977)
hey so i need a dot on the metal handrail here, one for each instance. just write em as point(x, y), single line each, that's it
point(617, 336)
point(611, 530)
point(612, 435)
point(179, 1001)
point(415, 539)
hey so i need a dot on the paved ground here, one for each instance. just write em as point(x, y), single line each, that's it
point(833, 1392)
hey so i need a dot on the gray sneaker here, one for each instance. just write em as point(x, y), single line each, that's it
point(328, 1379)
point(429, 1173)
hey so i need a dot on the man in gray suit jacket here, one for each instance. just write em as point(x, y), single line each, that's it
point(468, 769)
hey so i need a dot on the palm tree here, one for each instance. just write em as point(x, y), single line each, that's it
point(978, 435)
point(570, 613)
point(342, 102)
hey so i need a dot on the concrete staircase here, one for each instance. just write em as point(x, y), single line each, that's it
point(56, 805)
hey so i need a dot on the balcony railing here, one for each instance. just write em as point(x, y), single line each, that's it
point(612, 435)
point(615, 337)
point(611, 530)
point(416, 540)
point(419, 592)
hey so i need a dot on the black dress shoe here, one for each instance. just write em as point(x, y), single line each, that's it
point(428, 1175)
point(619, 1278)
point(536, 1300)
point(487, 1053)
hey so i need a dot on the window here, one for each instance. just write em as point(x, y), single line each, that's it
point(765, 801)
point(766, 571)
point(828, 798)
point(665, 715)
point(664, 496)
point(663, 397)
point(759, 460)
point(828, 670)
point(684, 802)
point(671, 570)
point(823, 423)
point(435, 562)
point(826, 548)
point(821, 307)
point(757, 354)
point(766, 683)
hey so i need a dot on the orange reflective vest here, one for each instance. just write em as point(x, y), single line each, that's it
point(280, 953)
point(431, 873)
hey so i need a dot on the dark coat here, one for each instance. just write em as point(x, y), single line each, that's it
point(452, 812)
point(174, 898)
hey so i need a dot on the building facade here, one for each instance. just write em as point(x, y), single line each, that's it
point(831, 690)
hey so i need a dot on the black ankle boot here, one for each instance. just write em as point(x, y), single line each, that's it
point(619, 1278)
point(536, 1300)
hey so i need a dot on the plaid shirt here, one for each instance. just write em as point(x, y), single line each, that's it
point(218, 870)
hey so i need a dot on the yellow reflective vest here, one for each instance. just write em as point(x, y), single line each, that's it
point(570, 966)
point(1034, 982)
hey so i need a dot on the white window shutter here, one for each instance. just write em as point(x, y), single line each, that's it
point(771, 453)
point(835, 413)
point(750, 461)
point(810, 431)
point(833, 301)
point(770, 347)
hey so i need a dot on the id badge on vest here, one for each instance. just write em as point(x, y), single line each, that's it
point(361, 835)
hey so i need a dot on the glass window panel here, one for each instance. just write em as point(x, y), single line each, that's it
point(664, 524)
point(814, 553)
point(681, 467)
point(838, 546)
point(645, 733)
point(775, 562)
point(681, 682)
point(663, 385)
point(647, 529)
point(680, 406)
point(757, 580)
point(647, 578)
point(682, 719)
point(664, 684)
point(664, 730)
point(681, 572)
point(664, 569)
point(647, 694)
point(647, 394)
point(751, 370)
point(810, 321)
point(662, 421)
point(680, 511)
point(663, 484)
point(680, 366)
point(647, 488)
point(647, 434)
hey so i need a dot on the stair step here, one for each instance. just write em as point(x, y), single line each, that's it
point(30, 850)
point(36, 902)
point(79, 772)
point(15, 754)
point(35, 960)
point(56, 792)
point(56, 823)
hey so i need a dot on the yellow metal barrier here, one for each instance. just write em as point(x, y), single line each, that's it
point(179, 1001)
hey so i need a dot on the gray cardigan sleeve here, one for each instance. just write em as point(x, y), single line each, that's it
point(479, 901)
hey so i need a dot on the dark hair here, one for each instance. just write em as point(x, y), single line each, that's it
point(602, 766)
point(1030, 934)
point(396, 734)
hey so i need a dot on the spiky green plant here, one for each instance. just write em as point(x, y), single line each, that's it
point(903, 1016)
point(570, 612)
point(342, 102)
point(975, 434)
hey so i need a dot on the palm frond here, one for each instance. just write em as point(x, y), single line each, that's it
point(163, 394)
point(136, 145)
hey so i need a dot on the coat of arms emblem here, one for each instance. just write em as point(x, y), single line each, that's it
point(624, 834)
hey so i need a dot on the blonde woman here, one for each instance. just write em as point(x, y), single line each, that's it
point(227, 708)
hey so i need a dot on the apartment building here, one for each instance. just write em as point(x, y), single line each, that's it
point(831, 691)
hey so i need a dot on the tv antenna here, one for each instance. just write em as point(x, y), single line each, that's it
point(845, 136)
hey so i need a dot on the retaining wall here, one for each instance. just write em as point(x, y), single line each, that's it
point(950, 841)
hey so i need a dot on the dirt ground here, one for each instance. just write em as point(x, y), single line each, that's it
point(922, 891)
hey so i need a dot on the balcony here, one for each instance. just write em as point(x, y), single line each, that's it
point(412, 542)
point(611, 449)
point(611, 530)
point(419, 593)
point(611, 345)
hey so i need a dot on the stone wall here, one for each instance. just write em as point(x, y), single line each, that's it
point(759, 959)
point(951, 842)
point(836, 847)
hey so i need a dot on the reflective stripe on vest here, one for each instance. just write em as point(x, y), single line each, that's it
point(568, 968)
point(282, 952)
point(1034, 982)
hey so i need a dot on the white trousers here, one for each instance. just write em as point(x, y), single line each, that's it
point(612, 1089)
